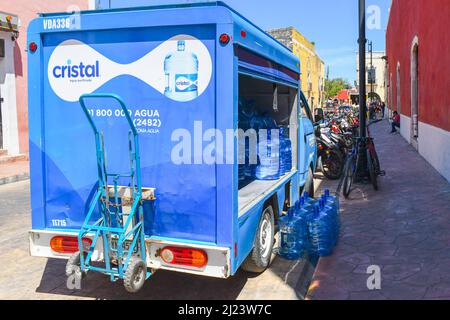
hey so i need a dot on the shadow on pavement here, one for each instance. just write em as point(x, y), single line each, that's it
point(163, 285)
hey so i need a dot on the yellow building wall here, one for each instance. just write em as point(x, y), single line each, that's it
point(312, 68)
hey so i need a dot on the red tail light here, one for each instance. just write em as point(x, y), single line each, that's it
point(184, 256)
point(224, 39)
point(66, 244)
point(33, 47)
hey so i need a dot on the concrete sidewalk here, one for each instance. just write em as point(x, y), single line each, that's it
point(404, 229)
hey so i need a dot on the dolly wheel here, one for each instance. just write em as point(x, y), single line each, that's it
point(73, 265)
point(135, 275)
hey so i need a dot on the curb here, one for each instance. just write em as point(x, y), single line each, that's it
point(306, 278)
point(15, 178)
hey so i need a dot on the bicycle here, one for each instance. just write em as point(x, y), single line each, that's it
point(351, 163)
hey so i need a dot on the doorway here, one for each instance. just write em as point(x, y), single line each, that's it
point(9, 133)
point(415, 94)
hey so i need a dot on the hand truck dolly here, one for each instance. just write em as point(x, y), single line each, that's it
point(121, 222)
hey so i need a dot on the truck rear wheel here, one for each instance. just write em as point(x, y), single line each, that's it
point(260, 256)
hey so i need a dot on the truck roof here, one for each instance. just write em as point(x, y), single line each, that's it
point(256, 39)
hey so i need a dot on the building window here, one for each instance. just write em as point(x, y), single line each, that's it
point(371, 75)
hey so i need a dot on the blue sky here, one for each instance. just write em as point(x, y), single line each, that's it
point(331, 24)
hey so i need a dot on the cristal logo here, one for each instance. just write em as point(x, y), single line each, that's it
point(81, 70)
point(184, 83)
point(70, 79)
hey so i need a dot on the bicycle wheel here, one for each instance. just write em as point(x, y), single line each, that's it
point(374, 156)
point(372, 171)
point(348, 177)
point(376, 162)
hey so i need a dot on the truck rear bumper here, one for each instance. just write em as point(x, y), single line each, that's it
point(218, 265)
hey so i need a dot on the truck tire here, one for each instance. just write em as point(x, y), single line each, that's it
point(259, 258)
point(135, 275)
point(309, 184)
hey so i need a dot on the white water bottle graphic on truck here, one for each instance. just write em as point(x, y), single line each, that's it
point(181, 69)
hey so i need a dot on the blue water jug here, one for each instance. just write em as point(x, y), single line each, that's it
point(269, 157)
point(309, 200)
point(333, 203)
point(320, 243)
point(285, 155)
point(291, 243)
point(331, 198)
point(329, 212)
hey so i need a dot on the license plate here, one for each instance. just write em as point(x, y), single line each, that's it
point(126, 244)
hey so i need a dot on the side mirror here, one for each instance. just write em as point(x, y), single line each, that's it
point(318, 115)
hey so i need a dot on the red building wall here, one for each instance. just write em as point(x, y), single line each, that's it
point(28, 10)
point(429, 20)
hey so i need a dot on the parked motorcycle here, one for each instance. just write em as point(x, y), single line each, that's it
point(335, 134)
point(330, 157)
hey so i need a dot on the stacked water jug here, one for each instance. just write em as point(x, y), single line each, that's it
point(285, 151)
point(310, 226)
point(269, 156)
point(274, 148)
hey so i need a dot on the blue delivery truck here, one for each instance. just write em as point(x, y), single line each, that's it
point(134, 151)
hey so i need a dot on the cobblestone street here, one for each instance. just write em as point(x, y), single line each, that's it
point(404, 229)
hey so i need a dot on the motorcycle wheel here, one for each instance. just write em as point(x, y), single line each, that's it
point(331, 164)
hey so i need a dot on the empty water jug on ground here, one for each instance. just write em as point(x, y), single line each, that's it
point(319, 232)
point(291, 244)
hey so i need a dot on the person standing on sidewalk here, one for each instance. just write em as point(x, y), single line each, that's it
point(372, 111)
point(395, 122)
point(383, 108)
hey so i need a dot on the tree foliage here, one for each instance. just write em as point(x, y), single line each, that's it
point(332, 87)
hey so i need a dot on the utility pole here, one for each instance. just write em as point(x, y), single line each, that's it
point(362, 171)
point(372, 76)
